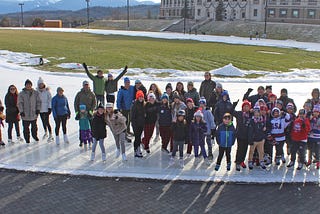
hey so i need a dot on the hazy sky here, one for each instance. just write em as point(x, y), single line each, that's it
point(58, 0)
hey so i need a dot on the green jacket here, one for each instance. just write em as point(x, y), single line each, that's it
point(111, 86)
point(86, 98)
point(98, 83)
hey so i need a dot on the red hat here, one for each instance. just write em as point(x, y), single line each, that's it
point(189, 100)
point(246, 103)
point(139, 94)
point(272, 95)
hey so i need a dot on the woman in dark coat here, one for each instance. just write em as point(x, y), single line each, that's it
point(12, 112)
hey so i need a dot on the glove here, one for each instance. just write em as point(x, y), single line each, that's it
point(37, 112)
point(213, 133)
point(49, 110)
point(77, 116)
point(250, 90)
point(22, 114)
point(125, 68)
point(85, 66)
point(115, 111)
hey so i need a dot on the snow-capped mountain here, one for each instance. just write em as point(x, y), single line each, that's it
point(10, 6)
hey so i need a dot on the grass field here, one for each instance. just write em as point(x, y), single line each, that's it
point(116, 51)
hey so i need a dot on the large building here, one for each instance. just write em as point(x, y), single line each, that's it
point(292, 11)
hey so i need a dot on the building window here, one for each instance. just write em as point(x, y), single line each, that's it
point(255, 12)
point(312, 2)
point(296, 2)
point(208, 14)
point(243, 15)
point(255, 1)
point(271, 12)
point(283, 13)
point(283, 2)
point(295, 13)
point(311, 14)
point(272, 2)
point(199, 12)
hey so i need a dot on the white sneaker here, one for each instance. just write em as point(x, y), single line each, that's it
point(45, 135)
point(50, 138)
point(57, 140)
point(103, 157)
point(117, 153)
point(20, 139)
point(181, 162)
point(92, 156)
point(10, 141)
point(171, 162)
point(124, 157)
point(65, 138)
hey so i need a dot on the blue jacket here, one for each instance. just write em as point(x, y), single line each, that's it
point(125, 98)
point(208, 117)
point(197, 133)
point(165, 116)
point(60, 106)
point(225, 135)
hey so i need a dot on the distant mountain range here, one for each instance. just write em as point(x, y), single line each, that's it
point(31, 5)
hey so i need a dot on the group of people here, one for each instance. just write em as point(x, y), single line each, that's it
point(179, 117)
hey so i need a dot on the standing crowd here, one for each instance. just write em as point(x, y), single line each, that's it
point(180, 117)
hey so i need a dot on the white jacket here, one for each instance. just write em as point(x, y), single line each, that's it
point(45, 97)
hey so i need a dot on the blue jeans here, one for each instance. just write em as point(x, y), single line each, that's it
point(101, 144)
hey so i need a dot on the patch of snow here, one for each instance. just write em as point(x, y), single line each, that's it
point(77, 66)
point(228, 70)
point(26, 59)
point(270, 52)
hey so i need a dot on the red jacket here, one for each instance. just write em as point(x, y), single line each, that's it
point(300, 129)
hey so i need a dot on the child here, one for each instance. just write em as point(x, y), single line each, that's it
point(299, 135)
point(225, 136)
point(211, 126)
point(2, 118)
point(99, 132)
point(276, 134)
point(257, 129)
point(243, 120)
point(190, 110)
point(165, 120)
point(151, 109)
point(180, 135)
point(272, 101)
point(117, 123)
point(314, 137)
point(84, 118)
point(198, 128)
point(176, 105)
point(290, 110)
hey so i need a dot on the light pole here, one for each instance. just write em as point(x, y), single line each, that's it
point(128, 15)
point(265, 20)
point(185, 16)
point(88, 15)
point(21, 6)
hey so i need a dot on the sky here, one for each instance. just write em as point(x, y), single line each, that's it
point(157, 1)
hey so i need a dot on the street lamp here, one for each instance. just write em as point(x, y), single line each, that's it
point(88, 16)
point(185, 16)
point(265, 20)
point(128, 15)
point(21, 6)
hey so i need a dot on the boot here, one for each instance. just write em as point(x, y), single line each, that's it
point(103, 156)
point(300, 165)
point(124, 157)
point(283, 159)
point(250, 163)
point(262, 165)
point(45, 135)
point(278, 158)
point(65, 138)
point(50, 138)
point(228, 166)
point(181, 162)
point(243, 165)
point(138, 153)
point(117, 153)
point(217, 167)
point(92, 156)
point(57, 140)
point(2, 143)
point(238, 167)
point(291, 164)
point(171, 162)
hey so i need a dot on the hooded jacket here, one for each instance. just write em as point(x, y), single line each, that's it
point(99, 130)
point(60, 106)
point(225, 135)
point(138, 114)
point(194, 95)
point(85, 97)
point(29, 103)
point(197, 132)
point(117, 123)
point(125, 98)
point(45, 97)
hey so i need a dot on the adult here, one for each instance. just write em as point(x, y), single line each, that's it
point(45, 110)
point(314, 97)
point(169, 91)
point(192, 93)
point(29, 105)
point(111, 85)
point(207, 86)
point(180, 90)
point(85, 97)
point(139, 86)
point(12, 112)
point(216, 96)
point(285, 99)
point(157, 92)
point(254, 98)
point(124, 102)
point(268, 90)
point(61, 113)
point(98, 84)
point(224, 106)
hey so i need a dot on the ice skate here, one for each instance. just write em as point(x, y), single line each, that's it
point(65, 138)
point(117, 153)
point(124, 157)
point(181, 162)
point(50, 138)
point(171, 162)
point(45, 135)
point(57, 140)
point(92, 156)
point(103, 156)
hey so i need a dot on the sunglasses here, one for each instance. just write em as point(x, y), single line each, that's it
point(227, 118)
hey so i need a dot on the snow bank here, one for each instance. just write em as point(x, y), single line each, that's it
point(77, 66)
point(21, 58)
point(228, 70)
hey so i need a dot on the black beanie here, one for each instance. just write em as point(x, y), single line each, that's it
point(284, 90)
point(169, 86)
point(27, 82)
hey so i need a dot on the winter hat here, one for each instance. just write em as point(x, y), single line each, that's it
point(139, 94)
point(137, 82)
point(164, 96)
point(100, 106)
point(110, 75)
point(203, 101)
point(273, 110)
point(82, 107)
point(109, 105)
point(218, 85)
point(126, 79)
point(269, 87)
point(176, 96)
point(198, 114)
point(290, 106)
point(279, 102)
point(151, 96)
point(27, 82)
point(316, 108)
point(85, 83)
point(272, 95)
point(284, 90)
point(302, 112)
point(307, 104)
point(246, 103)
point(190, 83)
point(40, 81)
point(261, 101)
point(225, 93)
point(59, 89)
point(256, 109)
point(189, 100)
point(181, 113)
point(169, 86)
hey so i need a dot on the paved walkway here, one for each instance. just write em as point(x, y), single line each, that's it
point(44, 193)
